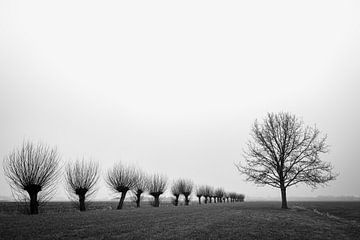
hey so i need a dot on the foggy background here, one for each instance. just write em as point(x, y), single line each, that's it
point(174, 87)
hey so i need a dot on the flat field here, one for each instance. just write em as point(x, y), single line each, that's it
point(248, 220)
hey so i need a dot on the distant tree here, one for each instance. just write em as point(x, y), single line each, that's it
point(140, 186)
point(121, 179)
point(232, 196)
point(176, 191)
point(240, 197)
point(219, 193)
point(207, 193)
point(227, 196)
point(157, 185)
point(32, 169)
point(186, 188)
point(200, 192)
point(81, 178)
point(284, 152)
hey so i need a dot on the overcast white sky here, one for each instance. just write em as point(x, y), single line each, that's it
point(174, 86)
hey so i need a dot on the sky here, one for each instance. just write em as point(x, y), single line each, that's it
point(174, 87)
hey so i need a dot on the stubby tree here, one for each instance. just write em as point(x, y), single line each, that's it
point(121, 179)
point(156, 186)
point(208, 192)
point(140, 186)
point(200, 191)
point(81, 178)
point(219, 193)
point(32, 169)
point(240, 197)
point(284, 152)
point(186, 188)
point(176, 191)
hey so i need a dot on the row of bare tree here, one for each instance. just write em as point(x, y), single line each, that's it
point(33, 171)
point(217, 195)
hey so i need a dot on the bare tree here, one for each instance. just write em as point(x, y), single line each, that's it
point(240, 197)
point(176, 191)
point(200, 191)
point(232, 196)
point(208, 191)
point(157, 185)
point(121, 179)
point(32, 169)
point(227, 196)
point(283, 152)
point(186, 188)
point(81, 178)
point(219, 193)
point(140, 186)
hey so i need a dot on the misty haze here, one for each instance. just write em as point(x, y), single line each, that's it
point(179, 120)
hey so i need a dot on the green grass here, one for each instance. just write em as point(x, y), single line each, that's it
point(249, 220)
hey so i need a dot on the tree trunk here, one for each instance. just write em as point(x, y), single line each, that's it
point(34, 205)
point(82, 202)
point(138, 196)
point(157, 201)
point(214, 199)
point(283, 198)
point(176, 202)
point(187, 200)
point(122, 198)
point(199, 200)
point(206, 198)
point(210, 199)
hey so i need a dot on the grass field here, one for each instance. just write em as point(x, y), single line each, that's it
point(248, 220)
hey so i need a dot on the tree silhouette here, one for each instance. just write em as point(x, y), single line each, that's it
point(140, 186)
point(208, 192)
point(81, 178)
point(157, 185)
point(219, 193)
point(32, 169)
point(283, 152)
point(176, 191)
point(121, 179)
point(200, 191)
point(186, 188)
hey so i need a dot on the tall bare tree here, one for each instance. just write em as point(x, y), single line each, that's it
point(121, 179)
point(156, 186)
point(32, 169)
point(81, 178)
point(140, 186)
point(283, 152)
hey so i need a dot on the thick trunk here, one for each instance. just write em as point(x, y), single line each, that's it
point(214, 199)
point(122, 198)
point(187, 200)
point(138, 197)
point(199, 200)
point(82, 202)
point(283, 198)
point(34, 205)
point(176, 202)
point(210, 199)
point(157, 201)
point(206, 198)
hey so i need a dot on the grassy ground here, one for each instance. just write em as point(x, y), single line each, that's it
point(249, 220)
